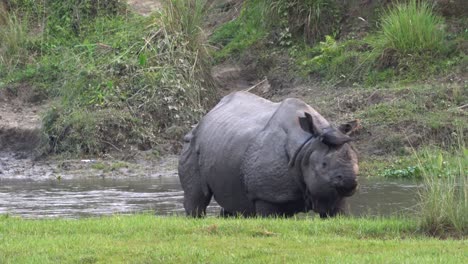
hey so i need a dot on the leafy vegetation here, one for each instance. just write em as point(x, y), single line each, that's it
point(120, 79)
point(410, 43)
point(145, 238)
point(286, 21)
point(411, 172)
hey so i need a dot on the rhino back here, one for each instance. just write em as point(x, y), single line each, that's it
point(223, 136)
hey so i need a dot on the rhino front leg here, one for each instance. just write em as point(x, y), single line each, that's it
point(339, 209)
point(225, 214)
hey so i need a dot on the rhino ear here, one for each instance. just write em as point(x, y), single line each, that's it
point(349, 127)
point(307, 123)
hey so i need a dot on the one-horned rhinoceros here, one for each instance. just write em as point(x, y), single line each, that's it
point(257, 157)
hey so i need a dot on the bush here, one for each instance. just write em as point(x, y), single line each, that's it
point(412, 28)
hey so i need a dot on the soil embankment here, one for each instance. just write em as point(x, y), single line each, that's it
point(21, 111)
point(20, 121)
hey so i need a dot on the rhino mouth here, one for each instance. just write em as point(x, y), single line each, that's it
point(346, 191)
point(346, 187)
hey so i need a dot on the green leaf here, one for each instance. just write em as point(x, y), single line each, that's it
point(142, 59)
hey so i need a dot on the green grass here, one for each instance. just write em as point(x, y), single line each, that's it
point(240, 34)
point(119, 78)
point(413, 28)
point(110, 166)
point(444, 199)
point(410, 44)
point(13, 42)
point(280, 22)
point(149, 239)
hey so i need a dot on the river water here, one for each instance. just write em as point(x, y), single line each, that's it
point(157, 191)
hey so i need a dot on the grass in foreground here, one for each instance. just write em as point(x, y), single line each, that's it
point(149, 239)
point(444, 200)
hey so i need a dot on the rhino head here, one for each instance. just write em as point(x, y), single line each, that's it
point(326, 164)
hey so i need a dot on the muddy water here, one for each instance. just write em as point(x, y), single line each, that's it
point(82, 197)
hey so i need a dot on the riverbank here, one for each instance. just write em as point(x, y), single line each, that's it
point(149, 239)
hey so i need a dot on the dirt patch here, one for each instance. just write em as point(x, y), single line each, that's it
point(145, 7)
point(220, 12)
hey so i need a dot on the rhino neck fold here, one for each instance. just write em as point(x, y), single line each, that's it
point(295, 163)
point(293, 159)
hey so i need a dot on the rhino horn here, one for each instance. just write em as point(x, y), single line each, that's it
point(350, 127)
point(334, 137)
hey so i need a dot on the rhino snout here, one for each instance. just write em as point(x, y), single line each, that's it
point(345, 186)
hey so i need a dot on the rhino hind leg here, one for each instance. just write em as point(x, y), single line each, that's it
point(196, 199)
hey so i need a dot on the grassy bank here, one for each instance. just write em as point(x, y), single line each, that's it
point(123, 80)
point(145, 238)
point(402, 41)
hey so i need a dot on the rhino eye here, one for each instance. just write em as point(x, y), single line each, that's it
point(324, 164)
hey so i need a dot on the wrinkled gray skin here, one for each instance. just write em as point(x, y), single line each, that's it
point(262, 158)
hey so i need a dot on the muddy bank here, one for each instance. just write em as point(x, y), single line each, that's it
point(15, 166)
point(20, 119)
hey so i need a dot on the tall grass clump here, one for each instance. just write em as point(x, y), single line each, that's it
point(412, 28)
point(444, 198)
point(173, 85)
point(14, 39)
point(182, 23)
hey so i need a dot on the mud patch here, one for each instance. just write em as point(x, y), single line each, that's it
point(20, 122)
point(13, 166)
